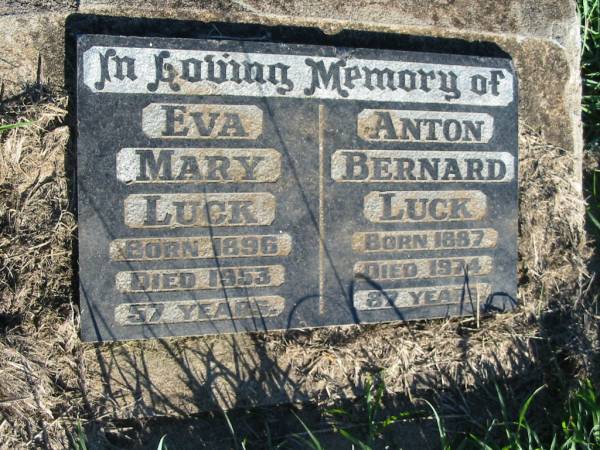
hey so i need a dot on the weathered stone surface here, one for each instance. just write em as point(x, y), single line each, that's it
point(187, 375)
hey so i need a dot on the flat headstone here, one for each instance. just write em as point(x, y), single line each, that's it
point(229, 186)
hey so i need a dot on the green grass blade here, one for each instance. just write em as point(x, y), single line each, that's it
point(526, 405)
point(161, 443)
point(79, 440)
point(336, 412)
point(360, 444)
point(444, 442)
point(482, 444)
point(313, 443)
point(236, 443)
point(11, 126)
point(594, 220)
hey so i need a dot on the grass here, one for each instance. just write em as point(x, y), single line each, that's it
point(578, 427)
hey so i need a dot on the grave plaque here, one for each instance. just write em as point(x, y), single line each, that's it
point(229, 186)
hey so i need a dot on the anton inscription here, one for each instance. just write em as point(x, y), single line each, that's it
point(237, 186)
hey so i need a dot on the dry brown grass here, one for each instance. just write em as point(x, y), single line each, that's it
point(38, 341)
point(42, 371)
point(552, 250)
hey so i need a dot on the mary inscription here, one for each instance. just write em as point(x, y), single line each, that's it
point(233, 186)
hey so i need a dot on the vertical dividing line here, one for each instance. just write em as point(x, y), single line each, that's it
point(478, 310)
point(321, 209)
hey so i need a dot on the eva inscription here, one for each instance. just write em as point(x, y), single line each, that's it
point(236, 186)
